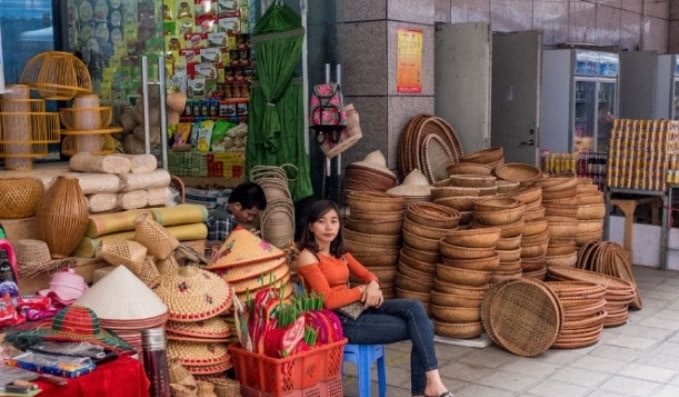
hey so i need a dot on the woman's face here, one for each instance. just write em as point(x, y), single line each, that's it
point(326, 228)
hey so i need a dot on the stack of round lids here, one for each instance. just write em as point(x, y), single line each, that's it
point(430, 144)
point(371, 173)
point(125, 305)
point(522, 316)
point(619, 293)
point(583, 307)
point(200, 346)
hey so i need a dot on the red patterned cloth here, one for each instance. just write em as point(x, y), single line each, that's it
point(123, 377)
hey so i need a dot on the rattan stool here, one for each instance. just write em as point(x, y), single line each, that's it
point(364, 356)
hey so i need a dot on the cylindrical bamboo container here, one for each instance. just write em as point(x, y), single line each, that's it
point(17, 127)
point(87, 118)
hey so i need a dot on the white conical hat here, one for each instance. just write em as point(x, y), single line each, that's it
point(376, 161)
point(120, 295)
point(415, 184)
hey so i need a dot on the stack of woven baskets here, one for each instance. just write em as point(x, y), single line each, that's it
point(462, 278)
point(491, 157)
point(591, 211)
point(277, 221)
point(458, 198)
point(583, 312)
point(525, 174)
point(372, 232)
point(371, 174)
point(423, 226)
point(619, 293)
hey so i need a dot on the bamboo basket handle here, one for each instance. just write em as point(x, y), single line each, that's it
point(179, 184)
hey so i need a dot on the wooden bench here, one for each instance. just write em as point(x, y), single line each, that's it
point(628, 206)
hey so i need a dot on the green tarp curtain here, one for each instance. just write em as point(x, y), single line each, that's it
point(276, 133)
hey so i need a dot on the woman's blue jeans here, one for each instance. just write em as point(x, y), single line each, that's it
point(394, 321)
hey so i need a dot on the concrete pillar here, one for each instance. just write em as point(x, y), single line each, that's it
point(673, 39)
point(366, 48)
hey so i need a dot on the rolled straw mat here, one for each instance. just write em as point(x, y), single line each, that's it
point(180, 215)
point(88, 245)
point(103, 224)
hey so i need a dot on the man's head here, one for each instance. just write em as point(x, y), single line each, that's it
point(245, 202)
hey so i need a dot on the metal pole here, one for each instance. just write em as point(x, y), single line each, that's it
point(328, 164)
point(163, 111)
point(305, 75)
point(338, 76)
point(145, 102)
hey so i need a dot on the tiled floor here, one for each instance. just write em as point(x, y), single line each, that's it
point(640, 358)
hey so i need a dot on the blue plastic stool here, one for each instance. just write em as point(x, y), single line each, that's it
point(364, 356)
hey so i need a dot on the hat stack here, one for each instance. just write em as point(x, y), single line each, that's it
point(125, 305)
point(415, 187)
point(371, 173)
point(195, 297)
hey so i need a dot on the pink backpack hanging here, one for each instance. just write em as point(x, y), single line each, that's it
point(326, 107)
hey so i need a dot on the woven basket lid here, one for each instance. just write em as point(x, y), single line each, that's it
point(243, 248)
point(211, 328)
point(523, 316)
point(197, 353)
point(120, 295)
point(375, 160)
point(193, 294)
point(415, 184)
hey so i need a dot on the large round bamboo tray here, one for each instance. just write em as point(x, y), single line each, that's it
point(458, 330)
point(460, 252)
point(19, 197)
point(474, 238)
point(490, 263)
point(462, 276)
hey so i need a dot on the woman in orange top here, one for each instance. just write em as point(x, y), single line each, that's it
point(325, 266)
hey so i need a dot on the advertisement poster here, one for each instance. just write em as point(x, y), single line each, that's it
point(409, 61)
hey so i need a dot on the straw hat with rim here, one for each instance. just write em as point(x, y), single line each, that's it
point(33, 257)
point(414, 184)
point(72, 324)
point(193, 294)
point(118, 296)
point(375, 160)
point(213, 329)
point(196, 353)
point(242, 248)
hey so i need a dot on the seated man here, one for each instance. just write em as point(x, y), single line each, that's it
point(245, 202)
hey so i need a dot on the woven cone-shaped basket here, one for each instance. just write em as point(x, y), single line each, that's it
point(62, 216)
point(167, 265)
point(179, 375)
point(183, 391)
point(225, 387)
point(154, 236)
point(125, 252)
point(149, 273)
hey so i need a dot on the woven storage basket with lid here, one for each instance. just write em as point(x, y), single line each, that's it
point(193, 294)
point(19, 197)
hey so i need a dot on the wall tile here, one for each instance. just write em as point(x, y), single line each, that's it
point(427, 57)
point(511, 15)
point(415, 11)
point(607, 26)
point(361, 10)
point(470, 10)
point(374, 114)
point(442, 10)
point(401, 110)
point(673, 46)
point(363, 57)
point(582, 22)
point(654, 34)
point(632, 5)
point(552, 18)
point(609, 3)
point(657, 8)
point(630, 30)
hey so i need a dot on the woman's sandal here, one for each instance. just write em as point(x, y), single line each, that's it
point(444, 394)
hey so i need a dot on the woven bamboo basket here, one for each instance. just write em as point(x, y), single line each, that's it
point(277, 223)
point(535, 227)
point(456, 314)
point(460, 252)
point(361, 215)
point(585, 237)
point(590, 226)
point(408, 294)
point(556, 183)
point(556, 250)
point(154, 236)
point(423, 266)
point(404, 269)
point(591, 211)
point(540, 238)
point(19, 197)
point(474, 238)
point(570, 201)
point(462, 276)
point(569, 259)
point(533, 214)
point(508, 243)
point(446, 299)
point(484, 156)
point(472, 180)
point(373, 261)
point(379, 240)
point(465, 218)
point(509, 255)
point(533, 264)
point(506, 186)
point(466, 291)
point(517, 172)
point(533, 251)
point(499, 217)
point(509, 266)
point(419, 242)
point(183, 390)
point(374, 201)
point(57, 75)
point(460, 203)
point(508, 230)
point(489, 263)
point(375, 226)
point(468, 168)
point(526, 195)
point(562, 227)
point(496, 204)
point(454, 191)
point(501, 276)
point(225, 387)
point(422, 230)
point(433, 215)
point(590, 198)
point(62, 216)
point(425, 256)
point(412, 283)
point(179, 375)
point(458, 330)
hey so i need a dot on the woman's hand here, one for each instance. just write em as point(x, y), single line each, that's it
point(372, 295)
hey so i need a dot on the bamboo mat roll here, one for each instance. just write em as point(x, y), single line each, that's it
point(180, 215)
point(193, 231)
point(104, 224)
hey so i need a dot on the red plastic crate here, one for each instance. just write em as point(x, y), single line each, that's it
point(331, 388)
point(278, 377)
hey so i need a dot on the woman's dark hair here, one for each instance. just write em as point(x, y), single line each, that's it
point(317, 210)
point(249, 195)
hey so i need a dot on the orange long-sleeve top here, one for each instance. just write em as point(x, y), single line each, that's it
point(329, 277)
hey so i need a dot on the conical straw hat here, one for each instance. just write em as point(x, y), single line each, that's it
point(154, 236)
point(237, 273)
point(415, 184)
point(193, 294)
point(242, 248)
point(376, 161)
point(196, 353)
point(120, 295)
point(212, 328)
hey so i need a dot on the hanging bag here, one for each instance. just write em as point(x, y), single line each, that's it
point(335, 142)
point(327, 108)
